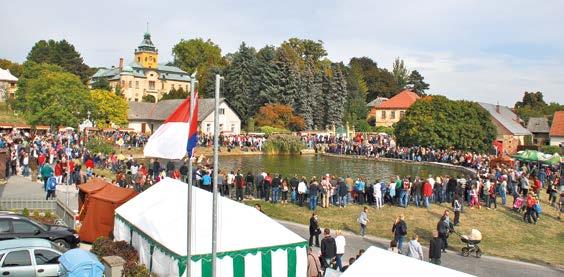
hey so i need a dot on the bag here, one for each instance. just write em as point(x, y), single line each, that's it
point(51, 183)
point(538, 208)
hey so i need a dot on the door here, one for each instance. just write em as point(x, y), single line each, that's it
point(24, 229)
point(5, 232)
point(17, 263)
point(46, 262)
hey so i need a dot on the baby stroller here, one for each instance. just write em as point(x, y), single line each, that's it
point(472, 240)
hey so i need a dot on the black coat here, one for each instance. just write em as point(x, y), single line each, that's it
point(435, 247)
point(399, 229)
point(313, 226)
point(328, 247)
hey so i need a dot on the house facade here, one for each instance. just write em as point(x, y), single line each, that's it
point(387, 112)
point(538, 126)
point(144, 76)
point(147, 117)
point(557, 129)
point(8, 85)
point(510, 133)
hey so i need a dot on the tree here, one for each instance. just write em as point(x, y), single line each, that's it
point(60, 53)
point(355, 105)
point(15, 68)
point(436, 121)
point(400, 73)
point(101, 83)
point(148, 98)
point(279, 116)
point(239, 81)
point(335, 94)
point(50, 96)
point(379, 82)
point(531, 99)
point(416, 83)
point(176, 94)
point(533, 105)
point(266, 78)
point(109, 108)
point(197, 54)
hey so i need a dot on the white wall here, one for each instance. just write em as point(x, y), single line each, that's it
point(556, 140)
point(229, 121)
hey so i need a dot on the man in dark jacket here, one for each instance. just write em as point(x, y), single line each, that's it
point(328, 248)
point(451, 188)
point(276, 183)
point(313, 230)
point(184, 172)
point(343, 191)
point(435, 247)
point(294, 186)
point(170, 168)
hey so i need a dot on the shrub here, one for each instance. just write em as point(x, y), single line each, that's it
point(283, 144)
point(25, 212)
point(103, 246)
point(268, 130)
point(36, 214)
point(551, 149)
point(99, 145)
point(48, 214)
point(384, 129)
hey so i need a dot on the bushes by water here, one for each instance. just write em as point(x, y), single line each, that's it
point(283, 144)
point(99, 145)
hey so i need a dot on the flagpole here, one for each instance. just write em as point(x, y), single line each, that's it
point(215, 167)
point(189, 202)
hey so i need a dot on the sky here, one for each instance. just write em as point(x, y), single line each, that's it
point(487, 51)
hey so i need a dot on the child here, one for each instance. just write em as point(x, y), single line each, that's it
point(456, 207)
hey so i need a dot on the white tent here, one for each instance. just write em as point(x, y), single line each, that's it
point(364, 266)
point(249, 242)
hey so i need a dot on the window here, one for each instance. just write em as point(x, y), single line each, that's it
point(393, 115)
point(139, 60)
point(23, 227)
point(122, 83)
point(152, 85)
point(46, 257)
point(130, 84)
point(172, 86)
point(17, 258)
point(221, 111)
point(208, 128)
point(402, 113)
point(232, 130)
point(220, 127)
point(136, 84)
point(383, 114)
point(4, 226)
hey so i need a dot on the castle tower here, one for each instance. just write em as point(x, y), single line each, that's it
point(146, 53)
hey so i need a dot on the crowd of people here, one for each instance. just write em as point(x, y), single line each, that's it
point(249, 142)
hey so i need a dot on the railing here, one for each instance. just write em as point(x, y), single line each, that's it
point(58, 207)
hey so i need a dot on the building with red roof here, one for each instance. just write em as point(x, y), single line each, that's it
point(557, 129)
point(392, 110)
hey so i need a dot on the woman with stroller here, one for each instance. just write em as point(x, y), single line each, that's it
point(444, 227)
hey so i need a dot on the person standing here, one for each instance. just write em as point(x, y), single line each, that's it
point(294, 182)
point(46, 172)
point(313, 265)
point(340, 243)
point(414, 248)
point(302, 189)
point(184, 173)
point(276, 184)
point(427, 192)
point(342, 192)
point(363, 220)
point(400, 230)
point(314, 230)
point(328, 248)
point(313, 190)
point(443, 227)
point(435, 246)
point(456, 207)
point(378, 194)
point(239, 186)
point(231, 184)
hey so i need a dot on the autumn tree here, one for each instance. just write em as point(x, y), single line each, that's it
point(279, 116)
point(109, 108)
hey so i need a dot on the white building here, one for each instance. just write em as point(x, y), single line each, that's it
point(8, 85)
point(147, 117)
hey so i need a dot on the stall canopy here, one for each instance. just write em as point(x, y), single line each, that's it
point(87, 189)
point(99, 211)
point(530, 156)
point(249, 242)
point(554, 159)
point(364, 266)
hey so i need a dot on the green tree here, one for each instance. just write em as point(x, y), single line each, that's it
point(379, 82)
point(531, 99)
point(266, 78)
point(60, 53)
point(416, 83)
point(400, 73)
point(436, 121)
point(355, 106)
point(50, 96)
point(176, 94)
point(200, 55)
point(109, 108)
point(239, 81)
point(15, 68)
point(101, 83)
point(148, 98)
point(533, 105)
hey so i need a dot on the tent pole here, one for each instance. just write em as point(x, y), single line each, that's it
point(189, 202)
point(215, 172)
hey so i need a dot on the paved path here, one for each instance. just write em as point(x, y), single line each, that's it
point(21, 187)
point(485, 266)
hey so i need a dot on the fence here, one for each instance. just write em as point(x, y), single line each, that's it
point(58, 207)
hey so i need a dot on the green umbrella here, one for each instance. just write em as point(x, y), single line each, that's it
point(530, 156)
point(554, 160)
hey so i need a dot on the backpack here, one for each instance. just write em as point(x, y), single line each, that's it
point(51, 183)
point(538, 208)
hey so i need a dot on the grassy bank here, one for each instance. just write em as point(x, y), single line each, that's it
point(504, 232)
point(7, 115)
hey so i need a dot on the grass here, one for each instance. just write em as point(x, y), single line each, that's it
point(8, 116)
point(504, 232)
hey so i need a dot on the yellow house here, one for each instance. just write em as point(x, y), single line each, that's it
point(144, 76)
point(392, 110)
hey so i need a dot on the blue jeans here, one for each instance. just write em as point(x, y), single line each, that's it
point(339, 258)
point(417, 199)
point(25, 171)
point(426, 201)
point(404, 199)
point(503, 196)
point(343, 200)
point(399, 240)
point(313, 202)
point(275, 194)
point(293, 196)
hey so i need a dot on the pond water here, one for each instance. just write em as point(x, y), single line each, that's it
point(318, 165)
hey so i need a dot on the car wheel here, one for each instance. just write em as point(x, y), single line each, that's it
point(62, 244)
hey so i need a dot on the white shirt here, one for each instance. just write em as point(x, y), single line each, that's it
point(340, 243)
point(378, 190)
point(230, 178)
point(302, 187)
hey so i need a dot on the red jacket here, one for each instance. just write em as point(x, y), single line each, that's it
point(427, 189)
point(58, 169)
point(41, 159)
point(89, 163)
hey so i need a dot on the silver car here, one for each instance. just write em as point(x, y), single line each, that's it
point(29, 257)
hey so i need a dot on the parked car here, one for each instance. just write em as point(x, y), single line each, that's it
point(18, 226)
point(29, 257)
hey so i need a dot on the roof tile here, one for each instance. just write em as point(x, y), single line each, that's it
point(557, 128)
point(402, 100)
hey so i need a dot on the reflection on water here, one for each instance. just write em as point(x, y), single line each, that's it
point(317, 165)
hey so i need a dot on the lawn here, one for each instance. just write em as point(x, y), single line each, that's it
point(7, 115)
point(504, 232)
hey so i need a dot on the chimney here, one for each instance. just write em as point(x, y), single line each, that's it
point(120, 63)
point(497, 107)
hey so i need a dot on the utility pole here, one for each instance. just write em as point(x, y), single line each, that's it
point(215, 172)
point(189, 202)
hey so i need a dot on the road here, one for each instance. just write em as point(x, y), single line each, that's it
point(19, 187)
point(484, 266)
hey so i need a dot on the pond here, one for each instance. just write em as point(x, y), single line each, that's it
point(318, 165)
